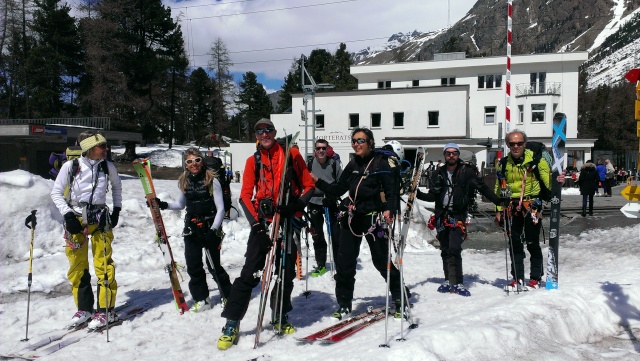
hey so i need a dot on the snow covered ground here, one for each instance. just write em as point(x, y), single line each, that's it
point(593, 316)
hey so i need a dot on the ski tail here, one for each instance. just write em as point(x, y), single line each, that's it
point(558, 144)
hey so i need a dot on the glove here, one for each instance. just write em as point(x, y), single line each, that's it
point(328, 202)
point(211, 239)
point(72, 224)
point(114, 217)
point(162, 205)
point(499, 221)
point(503, 202)
point(291, 208)
point(261, 237)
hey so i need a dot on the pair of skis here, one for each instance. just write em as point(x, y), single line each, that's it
point(47, 345)
point(267, 272)
point(143, 168)
point(347, 327)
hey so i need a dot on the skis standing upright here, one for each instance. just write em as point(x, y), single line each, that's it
point(404, 231)
point(267, 272)
point(143, 168)
point(558, 149)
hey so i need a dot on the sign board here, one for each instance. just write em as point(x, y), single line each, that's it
point(631, 210)
point(631, 193)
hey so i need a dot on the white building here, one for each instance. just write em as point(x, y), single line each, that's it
point(450, 99)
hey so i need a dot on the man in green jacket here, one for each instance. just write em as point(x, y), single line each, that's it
point(525, 208)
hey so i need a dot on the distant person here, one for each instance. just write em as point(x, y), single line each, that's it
point(602, 176)
point(81, 197)
point(201, 193)
point(229, 175)
point(609, 177)
point(588, 182)
point(237, 176)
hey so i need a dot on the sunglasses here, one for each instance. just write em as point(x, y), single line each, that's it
point(359, 141)
point(264, 130)
point(321, 148)
point(449, 154)
point(513, 144)
point(190, 161)
point(102, 146)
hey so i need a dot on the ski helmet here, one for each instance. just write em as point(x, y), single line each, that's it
point(396, 147)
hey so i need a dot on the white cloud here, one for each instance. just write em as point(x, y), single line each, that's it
point(301, 27)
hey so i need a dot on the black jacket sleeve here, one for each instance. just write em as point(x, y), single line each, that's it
point(338, 188)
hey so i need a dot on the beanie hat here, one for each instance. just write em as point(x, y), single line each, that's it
point(450, 145)
point(91, 142)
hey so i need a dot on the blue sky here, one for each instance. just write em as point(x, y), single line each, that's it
point(264, 36)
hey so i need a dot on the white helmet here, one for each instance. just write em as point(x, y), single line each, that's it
point(396, 147)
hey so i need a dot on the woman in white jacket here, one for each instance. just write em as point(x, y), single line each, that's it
point(80, 194)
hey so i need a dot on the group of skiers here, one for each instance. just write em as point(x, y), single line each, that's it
point(310, 190)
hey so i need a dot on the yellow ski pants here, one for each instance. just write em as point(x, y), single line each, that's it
point(79, 275)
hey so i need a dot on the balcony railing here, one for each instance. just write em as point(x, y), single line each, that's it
point(90, 122)
point(545, 88)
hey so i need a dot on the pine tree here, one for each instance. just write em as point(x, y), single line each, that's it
point(219, 64)
point(253, 101)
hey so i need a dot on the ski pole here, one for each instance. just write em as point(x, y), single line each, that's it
point(386, 314)
point(328, 220)
point(306, 278)
point(30, 222)
point(103, 228)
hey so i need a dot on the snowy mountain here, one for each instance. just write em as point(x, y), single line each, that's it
point(539, 26)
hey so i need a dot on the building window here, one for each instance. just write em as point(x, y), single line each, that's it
point(555, 108)
point(415, 83)
point(520, 114)
point(319, 120)
point(398, 120)
point(354, 120)
point(489, 115)
point(480, 81)
point(447, 81)
point(537, 113)
point(434, 119)
point(384, 84)
point(376, 120)
point(538, 82)
point(489, 81)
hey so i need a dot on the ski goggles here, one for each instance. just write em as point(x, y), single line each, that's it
point(191, 161)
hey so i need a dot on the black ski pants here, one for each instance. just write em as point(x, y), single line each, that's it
point(317, 220)
point(451, 239)
point(194, 245)
point(524, 231)
point(250, 277)
point(347, 258)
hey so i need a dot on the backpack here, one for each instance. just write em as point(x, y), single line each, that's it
point(215, 164)
point(73, 154)
point(56, 160)
point(400, 182)
point(539, 151)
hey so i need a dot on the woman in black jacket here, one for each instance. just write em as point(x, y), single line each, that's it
point(453, 185)
point(588, 182)
point(370, 202)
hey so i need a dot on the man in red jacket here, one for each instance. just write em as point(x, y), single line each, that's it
point(258, 199)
